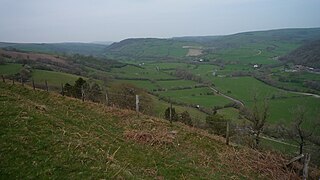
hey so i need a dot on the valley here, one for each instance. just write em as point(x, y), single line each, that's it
point(204, 76)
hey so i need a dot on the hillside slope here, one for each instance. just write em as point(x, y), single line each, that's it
point(46, 135)
point(308, 55)
point(57, 48)
point(147, 48)
point(177, 47)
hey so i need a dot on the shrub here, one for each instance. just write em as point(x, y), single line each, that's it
point(216, 124)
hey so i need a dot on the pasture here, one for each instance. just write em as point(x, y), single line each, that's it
point(244, 88)
point(53, 78)
point(9, 69)
point(197, 96)
point(132, 72)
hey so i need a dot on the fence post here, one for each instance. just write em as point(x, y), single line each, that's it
point(305, 166)
point(34, 87)
point(82, 93)
point(3, 80)
point(46, 85)
point(170, 111)
point(21, 80)
point(13, 80)
point(107, 99)
point(227, 133)
point(62, 90)
point(137, 104)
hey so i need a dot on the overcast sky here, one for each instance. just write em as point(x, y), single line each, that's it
point(114, 20)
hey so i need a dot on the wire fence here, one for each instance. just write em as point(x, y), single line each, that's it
point(230, 131)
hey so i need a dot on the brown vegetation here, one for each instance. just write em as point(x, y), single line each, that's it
point(33, 57)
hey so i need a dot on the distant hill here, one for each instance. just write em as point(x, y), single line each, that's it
point(175, 48)
point(74, 64)
point(308, 55)
point(147, 48)
point(288, 35)
point(299, 35)
point(58, 48)
point(102, 42)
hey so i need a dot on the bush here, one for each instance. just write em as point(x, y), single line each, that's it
point(173, 114)
point(216, 124)
point(185, 118)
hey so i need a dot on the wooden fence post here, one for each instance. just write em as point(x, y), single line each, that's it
point(13, 81)
point(107, 99)
point(227, 133)
point(34, 87)
point(3, 80)
point(137, 104)
point(305, 166)
point(62, 90)
point(170, 118)
point(82, 93)
point(46, 82)
point(21, 80)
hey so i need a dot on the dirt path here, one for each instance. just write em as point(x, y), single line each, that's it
point(306, 94)
point(228, 97)
point(259, 52)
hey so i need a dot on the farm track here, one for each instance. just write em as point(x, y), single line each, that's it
point(306, 94)
point(228, 97)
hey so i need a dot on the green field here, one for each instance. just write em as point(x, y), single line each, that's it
point(230, 114)
point(294, 80)
point(130, 71)
point(243, 88)
point(53, 78)
point(196, 96)
point(9, 69)
point(167, 65)
point(144, 84)
point(204, 70)
point(281, 103)
point(282, 110)
point(176, 83)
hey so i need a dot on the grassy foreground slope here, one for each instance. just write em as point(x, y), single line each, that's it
point(46, 135)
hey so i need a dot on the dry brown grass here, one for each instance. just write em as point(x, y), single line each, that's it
point(34, 56)
point(268, 164)
point(153, 138)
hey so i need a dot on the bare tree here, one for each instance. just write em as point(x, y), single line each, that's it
point(297, 132)
point(257, 116)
